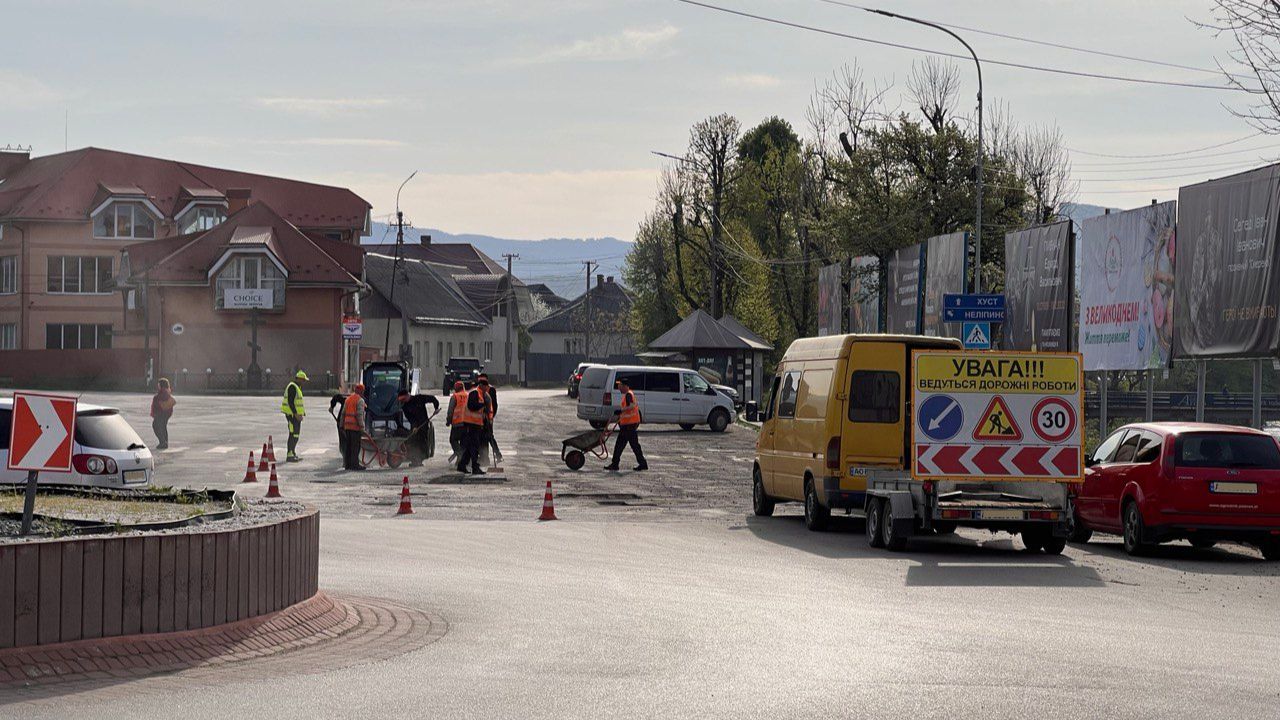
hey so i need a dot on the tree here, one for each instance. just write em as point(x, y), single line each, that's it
point(1254, 27)
point(1042, 160)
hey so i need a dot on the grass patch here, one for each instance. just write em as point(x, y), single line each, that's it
point(119, 512)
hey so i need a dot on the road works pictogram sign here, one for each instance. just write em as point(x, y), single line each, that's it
point(41, 433)
point(998, 415)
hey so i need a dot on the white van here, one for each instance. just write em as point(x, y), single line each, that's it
point(665, 395)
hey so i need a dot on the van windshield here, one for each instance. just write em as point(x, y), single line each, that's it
point(594, 378)
point(1227, 450)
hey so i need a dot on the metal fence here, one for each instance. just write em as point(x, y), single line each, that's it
point(555, 367)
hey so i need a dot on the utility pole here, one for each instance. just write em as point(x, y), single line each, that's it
point(405, 353)
point(591, 266)
point(511, 302)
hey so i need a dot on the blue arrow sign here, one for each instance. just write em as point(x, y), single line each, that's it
point(940, 417)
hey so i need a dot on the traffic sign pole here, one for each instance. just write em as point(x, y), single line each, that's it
point(29, 502)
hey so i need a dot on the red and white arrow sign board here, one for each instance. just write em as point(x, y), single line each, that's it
point(1021, 461)
point(41, 433)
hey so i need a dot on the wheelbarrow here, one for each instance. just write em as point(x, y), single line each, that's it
point(573, 451)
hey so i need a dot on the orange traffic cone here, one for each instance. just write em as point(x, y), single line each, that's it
point(262, 459)
point(548, 505)
point(270, 454)
point(406, 507)
point(249, 474)
point(273, 489)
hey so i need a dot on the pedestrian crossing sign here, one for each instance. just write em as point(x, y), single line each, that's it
point(997, 423)
point(976, 336)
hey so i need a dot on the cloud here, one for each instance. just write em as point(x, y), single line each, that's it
point(212, 141)
point(322, 107)
point(752, 80)
point(23, 92)
point(630, 44)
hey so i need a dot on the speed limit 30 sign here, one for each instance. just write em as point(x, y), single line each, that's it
point(1054, 419)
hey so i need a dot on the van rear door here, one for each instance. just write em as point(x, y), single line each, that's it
point(875, 414)
point(1232, 475)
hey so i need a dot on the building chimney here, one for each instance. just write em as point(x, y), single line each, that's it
point(12, 158)
point(609, 280)
point(237, 199)
point(599, 280)
point(425, 240)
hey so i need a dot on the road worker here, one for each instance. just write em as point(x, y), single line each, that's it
point(628, 427)
point(453, 418)
point(353, 414)
point(335, 411)
point(473, 415)
point(488, 442)
point(414, 408)
point(291, 406)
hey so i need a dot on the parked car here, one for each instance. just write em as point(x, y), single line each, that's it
point(464, 369)
point(732, 394)
point(575, 378)
point(665, 395)
point(105, 451)
point(1156, 482)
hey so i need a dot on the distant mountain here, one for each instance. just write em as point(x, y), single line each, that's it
point(554, 261)
point(1081, 211)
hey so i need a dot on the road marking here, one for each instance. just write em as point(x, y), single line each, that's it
point(313, 451)
point(550, 452)
point(166, 451)
point(220, 449)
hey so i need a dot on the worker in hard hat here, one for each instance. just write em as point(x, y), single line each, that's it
point(291, 406)
point(353, 416)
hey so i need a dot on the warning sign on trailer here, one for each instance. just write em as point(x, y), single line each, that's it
point(997, 415)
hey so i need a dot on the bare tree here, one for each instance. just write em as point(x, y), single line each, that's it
point(1254, 27)
point(845, 108)
point(933, 86)
point(1045, 165)
point(712, 171)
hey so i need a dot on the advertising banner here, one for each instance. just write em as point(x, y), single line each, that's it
point(830, 299)
point(1039, 288)
point(943, 273)
point(1126, 288)
point(248, 299)
point(1012, 416)
point(1227, 284)
point(904, 290)
point(864, 295)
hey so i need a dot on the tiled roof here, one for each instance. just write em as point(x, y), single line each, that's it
point(699, 331)
point(461, 254)
point(607, 300)
point(65, 186)
point(424, 293)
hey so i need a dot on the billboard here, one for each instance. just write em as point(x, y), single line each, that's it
point(1227, 284)
point(864, 295)
point(943, 273)
point(904, 291)
point(1038, 285)
point(830, 298)
point(1126, 288)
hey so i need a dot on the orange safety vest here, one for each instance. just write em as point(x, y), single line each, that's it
point(630, 410)
point(488, 404)
point(351, 419)
point(472, 417)
point(459, 406)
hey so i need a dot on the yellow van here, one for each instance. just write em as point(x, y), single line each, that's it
point(837, 410)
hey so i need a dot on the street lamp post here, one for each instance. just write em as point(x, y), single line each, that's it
point(977, 226)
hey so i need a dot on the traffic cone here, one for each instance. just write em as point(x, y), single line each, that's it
point(270, 454)
point(273, 488)
point(548, 506)
point(249, 474)
point(262, 459)
point(406, 507)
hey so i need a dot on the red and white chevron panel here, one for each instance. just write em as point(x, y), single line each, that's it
point(979, 461)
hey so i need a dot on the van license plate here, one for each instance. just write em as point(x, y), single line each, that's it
point(135, 476)
point(1234, 488)
point(1000, 514)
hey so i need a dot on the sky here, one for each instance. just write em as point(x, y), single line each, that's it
point(536, 118)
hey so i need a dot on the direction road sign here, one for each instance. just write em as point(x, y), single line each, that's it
point(940, 418)
point(976, 336)
point(40, 436)
point(973, 308)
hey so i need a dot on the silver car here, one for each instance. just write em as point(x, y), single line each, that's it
point(105, 452)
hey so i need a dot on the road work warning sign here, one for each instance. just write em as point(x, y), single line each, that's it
point(996, 415)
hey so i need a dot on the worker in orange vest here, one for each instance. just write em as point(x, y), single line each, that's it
point(353, 413)
point(453, 418)
point(473, 416)
point(628, 427)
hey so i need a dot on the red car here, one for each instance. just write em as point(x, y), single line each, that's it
point(1155, 482)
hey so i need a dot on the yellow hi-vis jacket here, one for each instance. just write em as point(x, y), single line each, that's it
point(297, 403)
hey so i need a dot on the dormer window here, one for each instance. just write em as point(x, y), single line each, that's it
point(201, 218)
point(124, 221)
point(254, 271)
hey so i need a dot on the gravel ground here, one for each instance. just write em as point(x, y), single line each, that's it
point(252, 512)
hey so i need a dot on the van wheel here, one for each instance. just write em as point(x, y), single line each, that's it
point(875, 518)
point(1055, 545)
point(719, 420)
point(599, 424)
point(892, 541)
point(1133, 530)
point(761, 504)
point(944, 528)
point(816, 515)
point(686, 426)
point(1033, 540)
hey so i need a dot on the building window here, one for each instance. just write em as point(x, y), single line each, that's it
point(488, 351)
point(8, 274)
point(440, 358)
point(124, 220)
point(201, 218)
point(450, 351)
point(79, 275)
point(9, 336)
point(473, 350)
point(250, 272)
point(72, 336)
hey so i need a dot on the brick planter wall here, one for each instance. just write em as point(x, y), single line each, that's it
point(89, 587)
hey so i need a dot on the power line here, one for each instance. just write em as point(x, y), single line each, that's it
point(1163, 155)
point(942, 53)
point(1061, 46)
point(1156, 164)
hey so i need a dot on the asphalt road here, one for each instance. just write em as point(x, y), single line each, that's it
point(685, 605)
